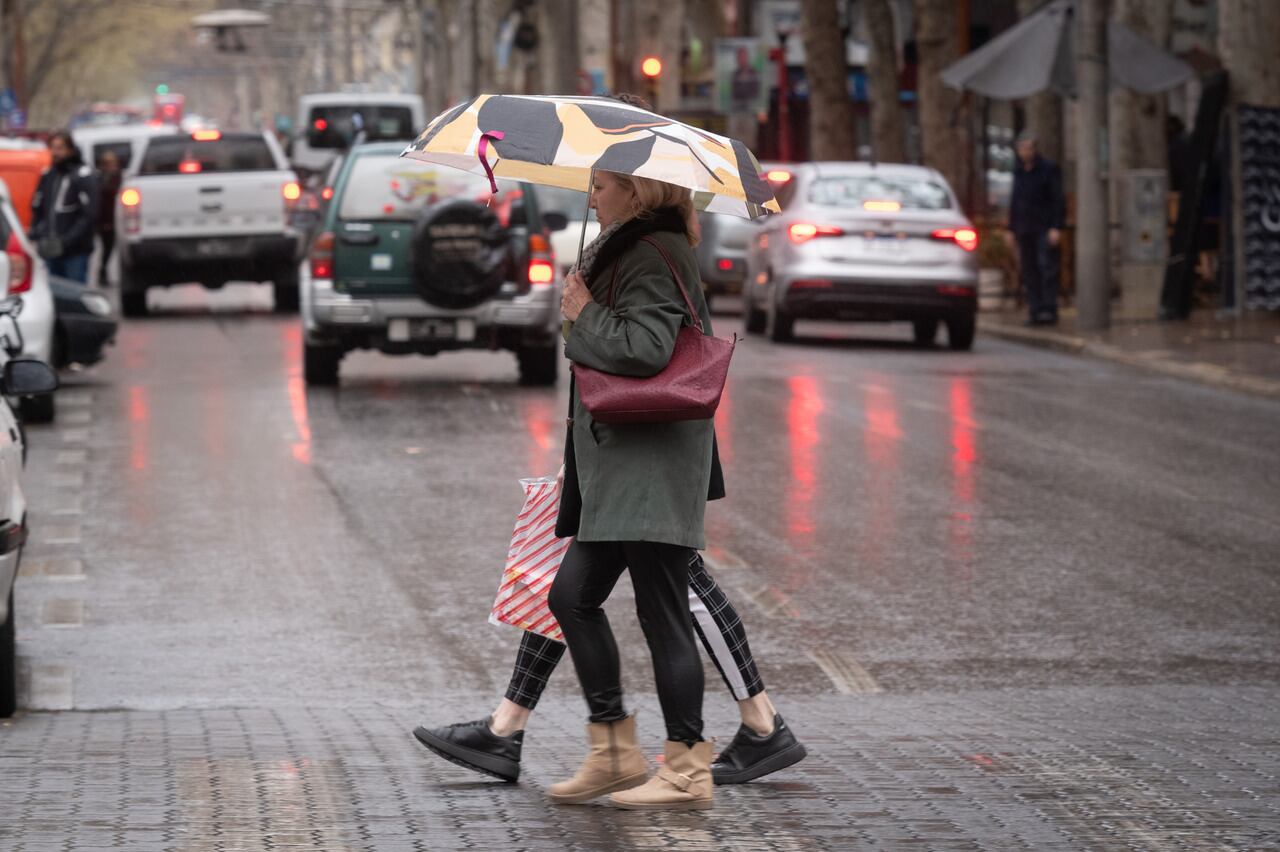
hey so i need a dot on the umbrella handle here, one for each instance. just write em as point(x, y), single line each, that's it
point(482, 151)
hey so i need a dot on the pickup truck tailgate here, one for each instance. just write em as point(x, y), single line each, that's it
point(228, 203)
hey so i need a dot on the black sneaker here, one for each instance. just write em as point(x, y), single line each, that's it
point(475, 746)
point(751, 756)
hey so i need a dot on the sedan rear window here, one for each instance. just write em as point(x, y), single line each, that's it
point(895, 193)
point(175, 155)
point(391, 187)
point(337, 126)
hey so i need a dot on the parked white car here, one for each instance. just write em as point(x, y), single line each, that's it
point(28, 279)
point(20, 377)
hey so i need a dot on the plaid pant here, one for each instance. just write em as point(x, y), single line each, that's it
point(714, 618)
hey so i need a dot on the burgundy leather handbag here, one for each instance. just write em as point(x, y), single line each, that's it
point(688, 388)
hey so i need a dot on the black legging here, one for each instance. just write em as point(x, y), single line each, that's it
point(660, 577)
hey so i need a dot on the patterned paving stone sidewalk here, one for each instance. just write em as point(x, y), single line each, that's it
point(1080, 769)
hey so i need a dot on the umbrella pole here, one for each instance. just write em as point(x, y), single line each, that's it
point(582, 237)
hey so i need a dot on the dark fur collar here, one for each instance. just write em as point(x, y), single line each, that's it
point(631, 232)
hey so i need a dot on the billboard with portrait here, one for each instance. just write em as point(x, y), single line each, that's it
point(741, 76)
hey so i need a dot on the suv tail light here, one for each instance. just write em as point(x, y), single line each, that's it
point(542, 266)
point(801, 232)
point(966, 238)
point(21, 266)
point(131, 201)
point(322, 256)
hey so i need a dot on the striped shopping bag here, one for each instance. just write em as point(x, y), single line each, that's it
point(532, 561)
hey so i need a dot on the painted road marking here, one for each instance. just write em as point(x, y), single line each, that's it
point(74, 398)
point(74, 436)
point(62, 613)
point(56, 569)
point(50, 688)
point(69, 479)
point(64, 533)
point(722, 559)
point(71, 457)
point(845, 672)
point(78, 417)
point(773, 602)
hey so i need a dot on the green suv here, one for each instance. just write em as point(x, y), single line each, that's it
point(417, 258)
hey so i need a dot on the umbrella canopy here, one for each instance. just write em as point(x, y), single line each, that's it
point(1037, 54)
point(559, 141)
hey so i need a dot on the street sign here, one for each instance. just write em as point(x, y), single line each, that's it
point(7, 100)
point(17, 119)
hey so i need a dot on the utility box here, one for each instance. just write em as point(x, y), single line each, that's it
point(1144, 243)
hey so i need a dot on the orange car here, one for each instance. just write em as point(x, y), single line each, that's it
point(21, 169)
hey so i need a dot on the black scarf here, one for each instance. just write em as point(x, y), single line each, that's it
point(631, 232)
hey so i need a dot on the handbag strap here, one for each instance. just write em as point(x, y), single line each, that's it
point(697, 320)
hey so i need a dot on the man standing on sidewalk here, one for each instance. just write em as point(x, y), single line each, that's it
point(1036, 213)
point(64, 210)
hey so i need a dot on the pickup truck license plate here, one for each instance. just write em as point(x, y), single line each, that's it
point(403, 330)
point(213, 248)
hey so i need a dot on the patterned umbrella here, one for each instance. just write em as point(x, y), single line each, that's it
point(560, 141)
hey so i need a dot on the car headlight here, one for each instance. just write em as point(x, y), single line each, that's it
point(96, 303)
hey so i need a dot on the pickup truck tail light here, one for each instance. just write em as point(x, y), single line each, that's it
point(291, 191)
point(966, 238)
point(542, 265)
point(322, 256)
point(21, 266)
point(131, 202)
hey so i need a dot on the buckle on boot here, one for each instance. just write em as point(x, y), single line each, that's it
point(676, 779)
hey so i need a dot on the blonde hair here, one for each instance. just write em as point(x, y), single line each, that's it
point(649, 194)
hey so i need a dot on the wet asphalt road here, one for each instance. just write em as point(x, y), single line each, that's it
point(899, 521)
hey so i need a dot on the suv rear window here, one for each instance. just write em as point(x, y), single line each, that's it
point(337, 126)
point(172, 155)
point(856, 191)
point(389, 187)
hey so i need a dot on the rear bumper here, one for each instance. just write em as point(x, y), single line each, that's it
point(210, 260)
point(869, 301)
point(532, 319)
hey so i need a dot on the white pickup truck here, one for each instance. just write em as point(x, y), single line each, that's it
point(208, 207)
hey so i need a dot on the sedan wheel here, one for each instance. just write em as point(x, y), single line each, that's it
point(960, 332)
point(780, 325)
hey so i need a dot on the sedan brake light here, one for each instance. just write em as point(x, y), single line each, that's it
point(801, 232)
point(20, 266)
point(966, 238)
point(207, 135)
point(321, 257)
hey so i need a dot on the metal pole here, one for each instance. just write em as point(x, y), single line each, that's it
point(582, 237)
point(1093, 233)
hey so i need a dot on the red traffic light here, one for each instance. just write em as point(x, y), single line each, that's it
point(651, 67)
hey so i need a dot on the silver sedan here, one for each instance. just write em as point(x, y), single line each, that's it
point(866, 242)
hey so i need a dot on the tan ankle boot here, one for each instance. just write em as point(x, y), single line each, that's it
point(683, 782)
point(615, 762)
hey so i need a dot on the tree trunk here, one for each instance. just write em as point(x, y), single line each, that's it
point(831, 127)
point(1044, 110)
point(888, 131)
point(944, 144)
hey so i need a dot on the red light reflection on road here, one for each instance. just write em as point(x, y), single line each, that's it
point(291, 337)
point(545, 445)
point(139, 427)
point(880, 442)
point(964, 455)
point(803, 409)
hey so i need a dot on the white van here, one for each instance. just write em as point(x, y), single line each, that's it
point(329, 123)
point(123, 140)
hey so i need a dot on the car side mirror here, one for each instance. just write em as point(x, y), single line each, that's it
point(555, 221)
point(28, 377)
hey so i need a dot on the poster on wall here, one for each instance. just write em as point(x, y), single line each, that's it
point(741, 85)
point(1260, 205)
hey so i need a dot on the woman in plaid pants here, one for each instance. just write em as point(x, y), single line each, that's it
point(763, 744)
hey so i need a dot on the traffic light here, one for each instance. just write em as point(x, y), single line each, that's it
point(651, 70)
point(162, 89)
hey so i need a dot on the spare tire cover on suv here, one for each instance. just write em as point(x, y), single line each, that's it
point(459, 257)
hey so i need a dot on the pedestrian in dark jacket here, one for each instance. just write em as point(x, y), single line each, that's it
point(1036, 216)
point(644, 490)
point(109, 168)
point(64, 210)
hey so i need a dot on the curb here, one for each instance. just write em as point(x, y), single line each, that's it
point(1201, 372)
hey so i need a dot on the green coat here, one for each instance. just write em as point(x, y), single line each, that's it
point(640, 481)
